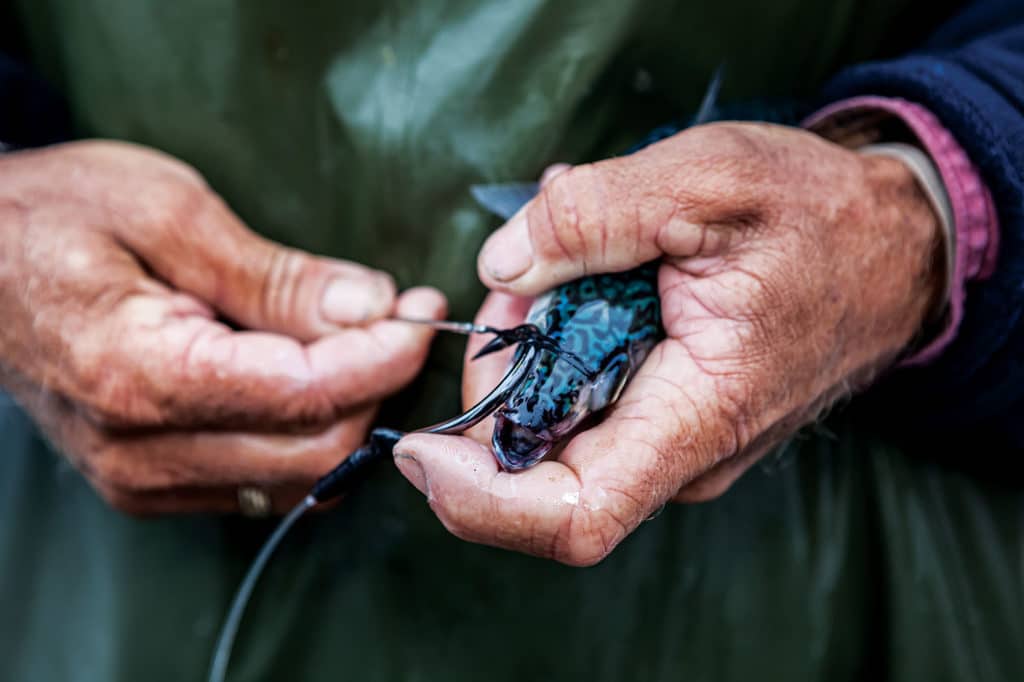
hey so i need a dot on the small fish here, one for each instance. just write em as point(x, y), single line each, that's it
point(609, 324)
point(596, 333)
point(579, 346)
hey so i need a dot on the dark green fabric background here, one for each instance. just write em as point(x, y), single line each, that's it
point(354, 129)
point(842, 559)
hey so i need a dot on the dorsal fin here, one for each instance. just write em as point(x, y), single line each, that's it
point(710, 101)
point(504, 199)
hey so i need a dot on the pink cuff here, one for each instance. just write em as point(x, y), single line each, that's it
point(974, 214)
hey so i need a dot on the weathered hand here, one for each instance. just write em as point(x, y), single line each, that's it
point(115, 262)
point(793, 272)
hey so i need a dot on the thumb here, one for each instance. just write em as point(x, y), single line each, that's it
point(258, 283)
point(575, 225)
point(608, 216)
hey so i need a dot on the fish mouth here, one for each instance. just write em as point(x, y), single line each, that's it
point(516, 446)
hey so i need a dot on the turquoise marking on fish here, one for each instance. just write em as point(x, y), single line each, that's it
point(609, 323)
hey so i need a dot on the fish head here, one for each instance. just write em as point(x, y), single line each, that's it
point(550, 405)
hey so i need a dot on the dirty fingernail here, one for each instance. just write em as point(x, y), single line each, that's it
point(412, 470)
point(507, 254)
point(346, 301)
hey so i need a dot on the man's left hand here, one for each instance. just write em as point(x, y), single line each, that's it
point(793, 272)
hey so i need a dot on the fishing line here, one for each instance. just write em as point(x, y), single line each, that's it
point(343, 478)
point(226, 640)
point(524, 334)
point(503, 200)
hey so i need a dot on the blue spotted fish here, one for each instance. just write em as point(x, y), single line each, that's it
point(599, 330)
point(606, 323)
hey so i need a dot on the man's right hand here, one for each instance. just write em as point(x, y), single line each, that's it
point(116, 265)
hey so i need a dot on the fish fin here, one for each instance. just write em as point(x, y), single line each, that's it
point(710, 101)
point(504, 199)
point(608, 384)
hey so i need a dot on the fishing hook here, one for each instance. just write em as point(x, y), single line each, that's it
point(356, 466)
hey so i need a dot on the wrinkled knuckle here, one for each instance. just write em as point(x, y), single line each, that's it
point(105, 408)
point(734, 424)
point(101, 391)
point(740, 140)
point(562, 188)
point(83, 365)
point(742, 162)
point(282, 275)
point(547, 224)
point(175, 206)
point(112, 401)
point(560, 230)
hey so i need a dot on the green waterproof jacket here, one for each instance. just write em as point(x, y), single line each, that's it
point(354, 130)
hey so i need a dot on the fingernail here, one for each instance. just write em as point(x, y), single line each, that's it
point(507, 254)
point(348, 300)
point(412, 470)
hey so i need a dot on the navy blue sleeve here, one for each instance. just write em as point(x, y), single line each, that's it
point(971, 75)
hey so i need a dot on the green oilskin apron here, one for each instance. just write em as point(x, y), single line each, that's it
point(354, 129)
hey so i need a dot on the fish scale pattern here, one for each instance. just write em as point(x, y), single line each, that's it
point(609, 321)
